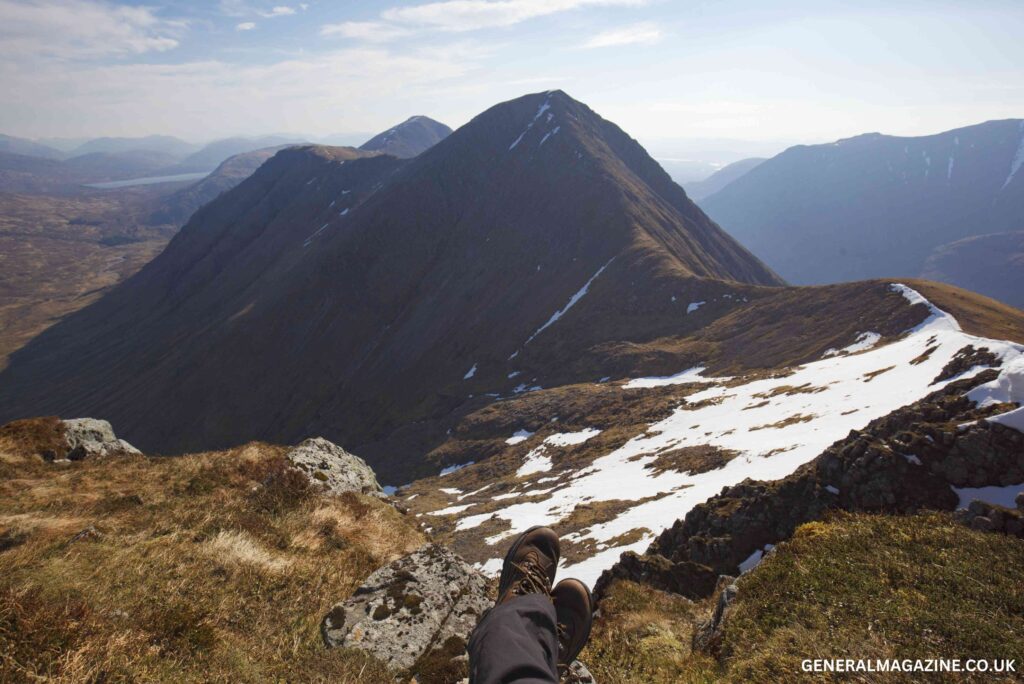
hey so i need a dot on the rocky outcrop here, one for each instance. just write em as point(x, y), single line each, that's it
point(966, 359)
point(987, 517)
point(903, 462)
point(89, 437)
point(416, 609)
point(331, 467)
point(708, 635)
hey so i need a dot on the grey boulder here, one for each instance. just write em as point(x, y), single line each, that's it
point(418, 605)
point(89, 437)
point(336, 470)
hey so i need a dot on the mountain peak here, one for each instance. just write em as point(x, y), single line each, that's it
point(409, 138)
point(364, 288)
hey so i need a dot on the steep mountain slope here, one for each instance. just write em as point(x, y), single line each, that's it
point(352, 297)
point(875, 205)
point(409, 138)
point(698, 190)
point(12, 145)
point(990, 264)
point(178, 207)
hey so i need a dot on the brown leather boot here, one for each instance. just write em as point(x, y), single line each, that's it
point(574, 609)
point(530, 565)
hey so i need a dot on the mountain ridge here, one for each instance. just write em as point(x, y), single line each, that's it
point(873, 205)
point(395, 306)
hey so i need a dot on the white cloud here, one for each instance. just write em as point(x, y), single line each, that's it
point(278, 11)
point(460, 15)
point(337, 90)
point(82, 29)
point(646, 33)
point(370, 31)
point(245, 26)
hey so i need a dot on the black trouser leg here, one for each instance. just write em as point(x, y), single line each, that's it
point(516, 642)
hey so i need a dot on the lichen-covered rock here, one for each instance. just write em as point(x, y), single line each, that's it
point(88, 437)
point(406, 610)
point(336, 470)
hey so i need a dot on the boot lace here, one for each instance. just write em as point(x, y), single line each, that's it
point(533, 581)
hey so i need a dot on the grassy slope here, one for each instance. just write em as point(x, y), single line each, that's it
point(212, 567)
point(857, 586)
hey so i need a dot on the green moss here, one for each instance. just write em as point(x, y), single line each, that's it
point(863, 586)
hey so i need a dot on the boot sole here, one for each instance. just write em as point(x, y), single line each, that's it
point(590, 622)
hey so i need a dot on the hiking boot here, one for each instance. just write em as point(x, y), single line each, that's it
point(574, 610)
point(530, 565)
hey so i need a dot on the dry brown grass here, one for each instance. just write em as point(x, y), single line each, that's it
point(692, 459)
point(211, 567)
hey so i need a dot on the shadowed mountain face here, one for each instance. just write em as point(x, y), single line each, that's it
point(409, 138)
point(178, 207)
point(348, 297)
point(990, 264)
point(875, 205)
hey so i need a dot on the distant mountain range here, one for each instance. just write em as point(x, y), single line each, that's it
point(698, 190)
point(165, 144)
point(28, 148)
point(881, 206)
point(349, 296)
point(211, 155)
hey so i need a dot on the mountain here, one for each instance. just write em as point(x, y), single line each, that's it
point(409, 138)
point(178, 207)
point(990, 264)
point(875, 205)
point(212, 154)
point(698, 190)
point(12, 145)
point(165, 144)
point(352, 297)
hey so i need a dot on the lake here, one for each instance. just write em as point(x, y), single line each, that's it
point(152, 180)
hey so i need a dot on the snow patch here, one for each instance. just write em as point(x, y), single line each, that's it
point(470, 373)
point(754, 559)
point(538, 461)
point(1018, 159)
point(1000, 496)
point(454, 468)
point(572, 302)
point(688, 375)
point(548, 135)
point(540, 111)
point(693, 306)
point(518, 437)
point(864, 341)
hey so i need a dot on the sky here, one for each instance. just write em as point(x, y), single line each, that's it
point(718, 71)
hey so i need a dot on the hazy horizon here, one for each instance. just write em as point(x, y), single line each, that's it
point(664, 71)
